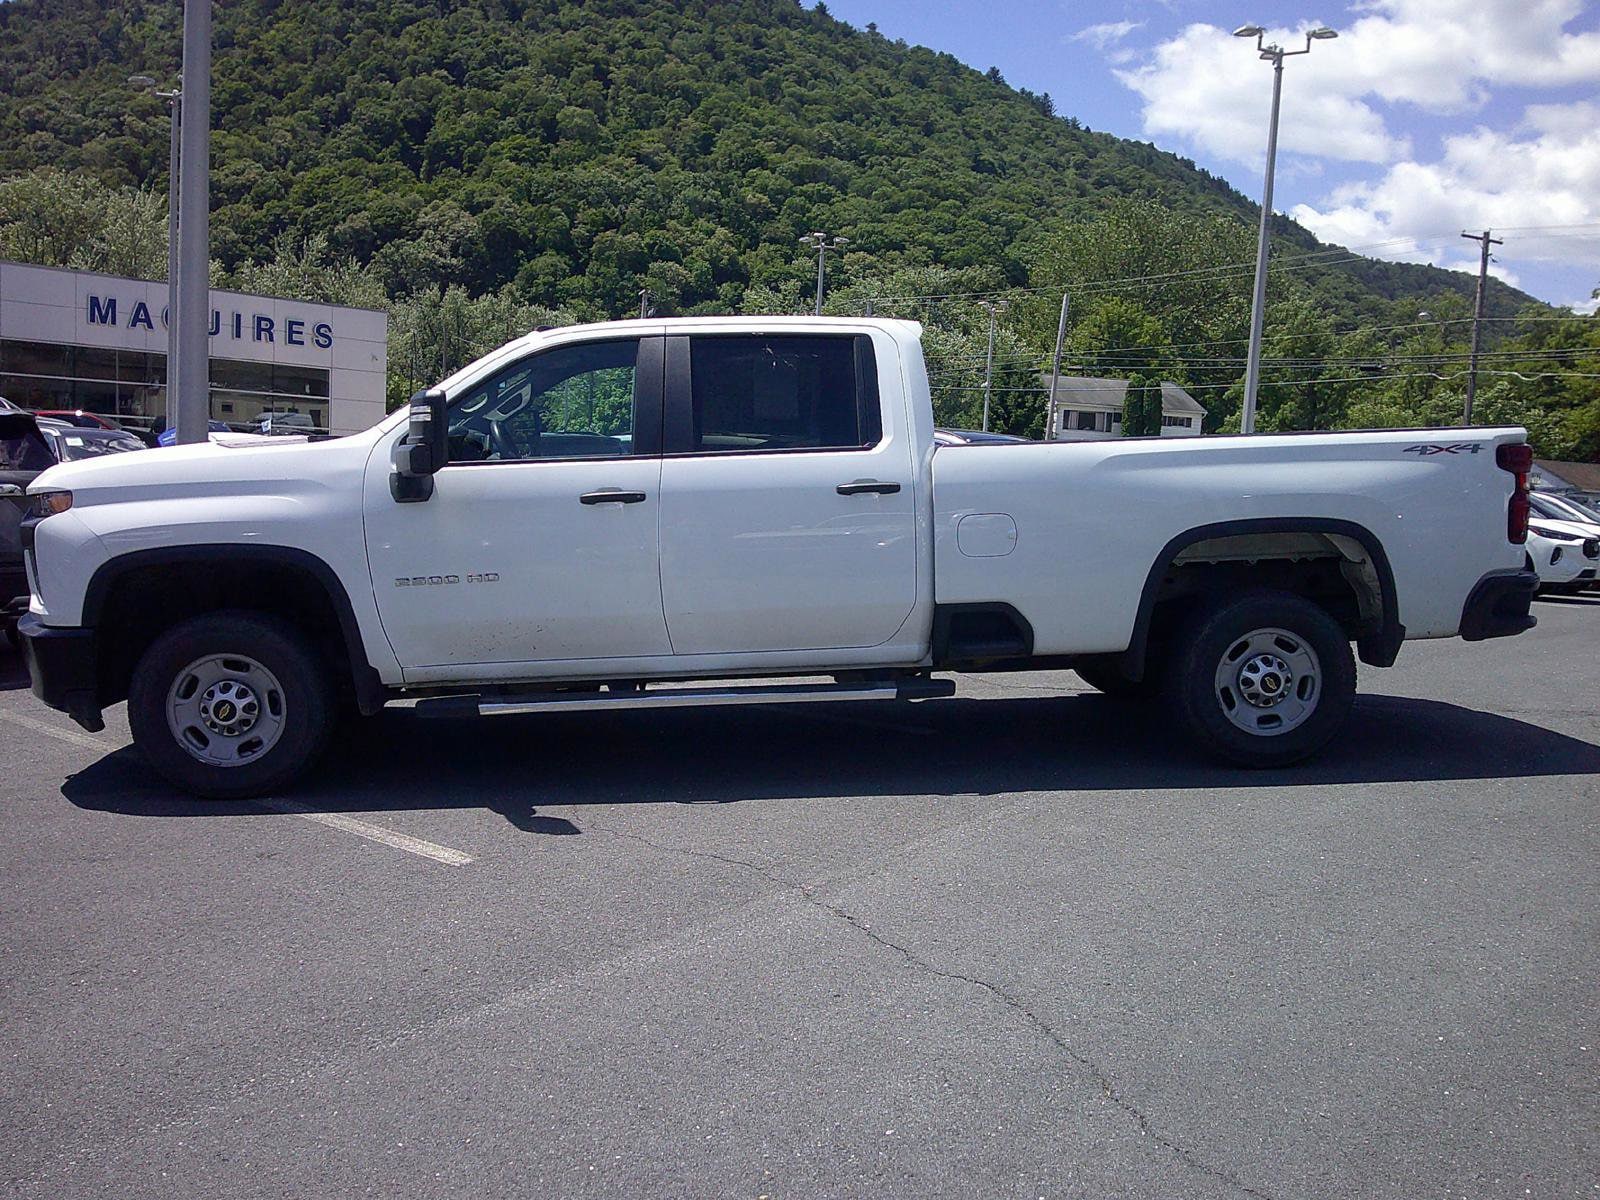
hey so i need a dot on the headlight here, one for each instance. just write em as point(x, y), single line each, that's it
point(48, 504)
point(1555, 535)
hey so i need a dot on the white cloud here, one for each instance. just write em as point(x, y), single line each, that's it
point(1106, 34)
point(1545, 172)
point(1442, 56)
point(1210, 90)
point(1106, 38)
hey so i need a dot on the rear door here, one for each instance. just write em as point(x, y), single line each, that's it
point(787, 498)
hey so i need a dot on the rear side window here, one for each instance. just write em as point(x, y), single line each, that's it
point(775, 393)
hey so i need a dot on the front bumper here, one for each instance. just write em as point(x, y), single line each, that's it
point(63, 665)
point(1498, 605)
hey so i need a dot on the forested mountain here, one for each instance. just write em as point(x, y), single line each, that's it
point(555, 157)
point(578, 149)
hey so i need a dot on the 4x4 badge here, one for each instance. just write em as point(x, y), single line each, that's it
point(1427, 448)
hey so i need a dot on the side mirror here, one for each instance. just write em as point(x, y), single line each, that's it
point(424, 449)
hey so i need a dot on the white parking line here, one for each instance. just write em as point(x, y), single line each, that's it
point(373, 833)
point(64, 735)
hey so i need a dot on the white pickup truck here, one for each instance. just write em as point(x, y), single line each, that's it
point(633, 514)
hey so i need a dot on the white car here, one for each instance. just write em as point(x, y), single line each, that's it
point(1565, 556)
point(589, 511)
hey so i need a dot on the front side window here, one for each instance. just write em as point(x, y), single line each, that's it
point(570, 402)
point(783, 392)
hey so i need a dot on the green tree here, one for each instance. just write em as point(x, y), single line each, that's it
point(1141, 406)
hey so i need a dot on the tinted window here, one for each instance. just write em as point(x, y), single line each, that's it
point(570, 402)
point(26, 451)
point(783, 393)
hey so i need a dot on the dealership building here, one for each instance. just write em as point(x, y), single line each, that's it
point(76, 339)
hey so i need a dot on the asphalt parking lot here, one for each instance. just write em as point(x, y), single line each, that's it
point(1019, 943)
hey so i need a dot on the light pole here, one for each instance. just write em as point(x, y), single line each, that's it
point(174, 99)
point(1275, 55)
point(823, 245)
point(995, 308)
point(193, 407)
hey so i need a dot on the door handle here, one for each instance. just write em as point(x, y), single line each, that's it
point(859, 486)
point(611, 496)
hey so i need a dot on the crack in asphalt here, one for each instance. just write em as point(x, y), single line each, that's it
point(1108, 1088)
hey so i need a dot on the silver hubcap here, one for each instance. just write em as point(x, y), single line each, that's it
point(1269, 682)
point(226, 709)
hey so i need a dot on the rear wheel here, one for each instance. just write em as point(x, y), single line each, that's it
point(1264, 680)
point(230, 705)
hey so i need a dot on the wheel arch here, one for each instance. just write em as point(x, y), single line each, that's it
point(1378, 634)
point(222, 569)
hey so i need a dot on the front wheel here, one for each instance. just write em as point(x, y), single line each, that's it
point(1264, 680)
point(230, 704)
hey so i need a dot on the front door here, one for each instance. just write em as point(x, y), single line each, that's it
point(787, 496)
point(539, 544)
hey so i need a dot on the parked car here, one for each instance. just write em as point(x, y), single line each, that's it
point(24, 453)
point(79, 417)
point(169, 437)
point(782, 513)
point(972, 437)
point(1566, 558)
point(283, 422)
point(69, 443)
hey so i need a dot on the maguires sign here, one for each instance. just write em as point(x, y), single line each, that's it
point(255, 327)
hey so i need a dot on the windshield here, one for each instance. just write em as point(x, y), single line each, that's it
point(1562, 509)
point(76, 445)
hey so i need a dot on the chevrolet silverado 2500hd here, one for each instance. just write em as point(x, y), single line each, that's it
point(590, 512)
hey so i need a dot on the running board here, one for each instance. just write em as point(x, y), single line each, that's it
point(692, 697)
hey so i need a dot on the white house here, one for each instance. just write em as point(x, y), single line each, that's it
point(1085, 409)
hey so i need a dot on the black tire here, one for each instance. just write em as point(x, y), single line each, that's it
point(13, 637)
point(305, 699)
point(1107, 677)
point(1200, 699)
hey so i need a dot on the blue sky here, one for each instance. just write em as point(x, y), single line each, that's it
point(1424, 118)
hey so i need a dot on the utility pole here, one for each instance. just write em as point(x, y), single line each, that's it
point(823, 245)
point(189, 411)
point(1477, 318)
point(644, 303)
point(1055, 367)
point(1275, 55)
point(174, 99)
point(995, 307)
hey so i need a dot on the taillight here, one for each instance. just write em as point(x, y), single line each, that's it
point(1518, 459)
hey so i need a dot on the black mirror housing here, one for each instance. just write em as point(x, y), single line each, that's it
point(424, 449)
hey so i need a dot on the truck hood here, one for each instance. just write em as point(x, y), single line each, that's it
point(210, 467)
